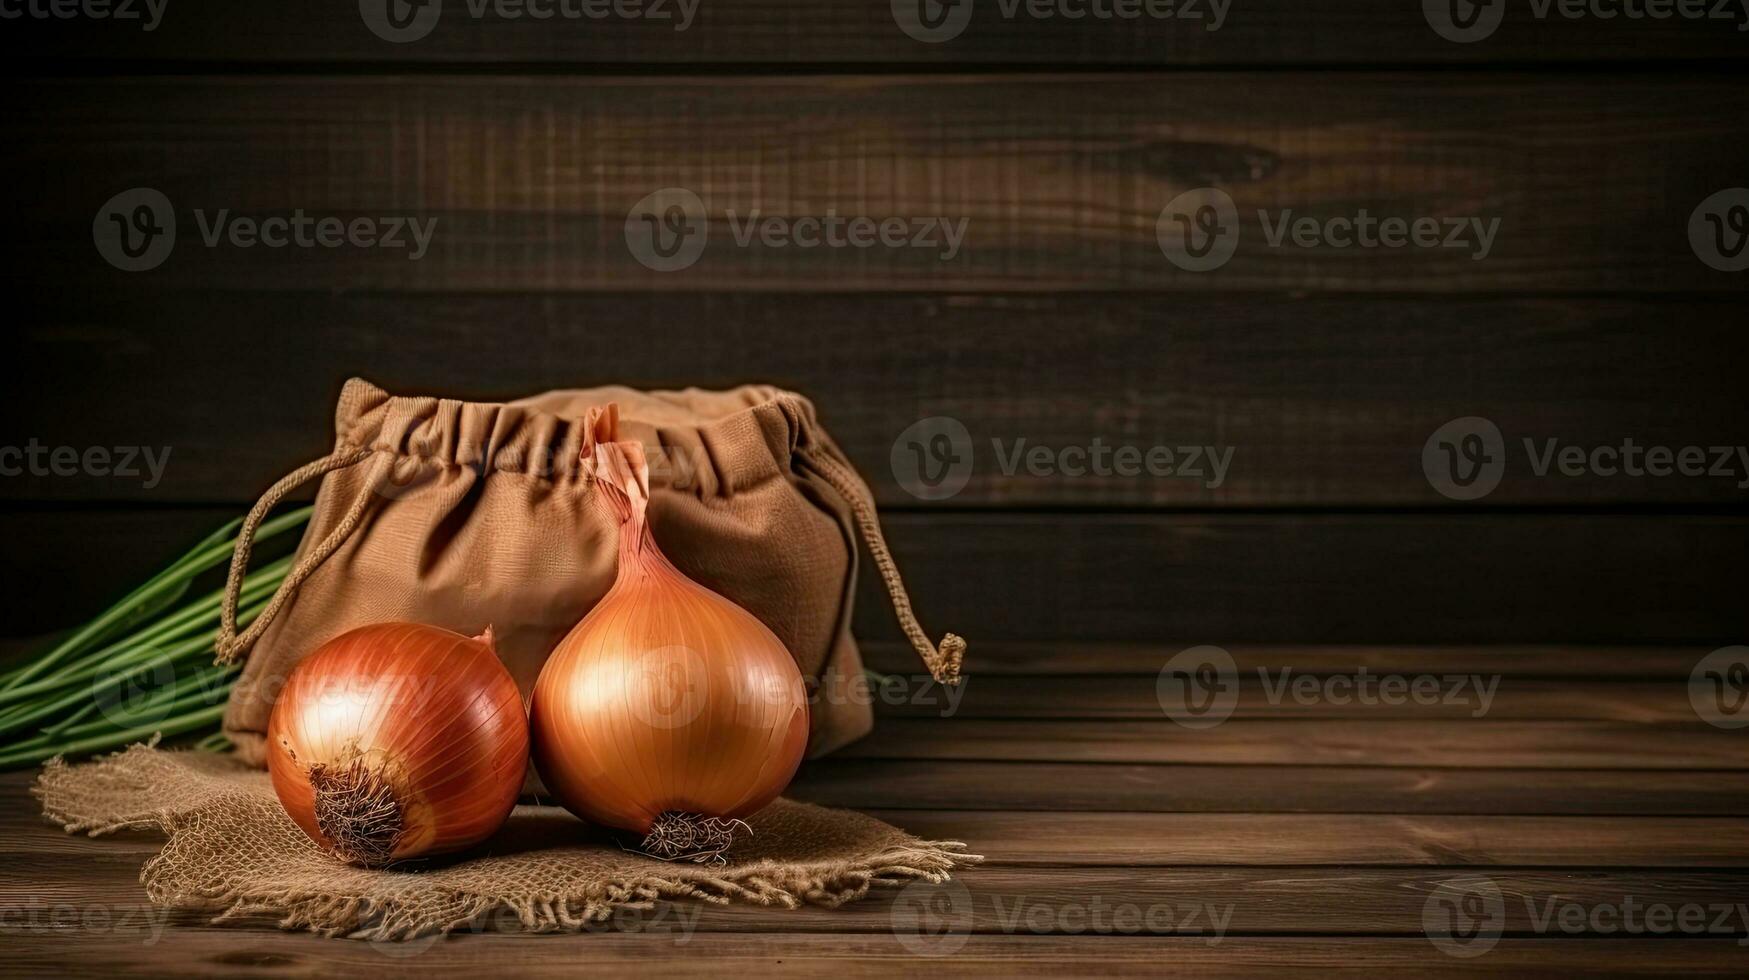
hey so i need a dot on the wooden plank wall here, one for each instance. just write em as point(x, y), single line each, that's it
point(1586, 144)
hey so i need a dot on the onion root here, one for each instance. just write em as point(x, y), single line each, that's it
point(358, 812)
point(676, 836)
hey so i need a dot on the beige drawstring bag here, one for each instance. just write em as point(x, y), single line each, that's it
point(463, 514)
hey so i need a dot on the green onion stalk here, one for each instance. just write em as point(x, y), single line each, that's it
point(142, 668)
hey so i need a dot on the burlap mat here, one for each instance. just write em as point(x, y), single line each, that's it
point(233, 850)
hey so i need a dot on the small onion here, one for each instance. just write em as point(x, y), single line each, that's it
point(397, 741)
point(669, 711)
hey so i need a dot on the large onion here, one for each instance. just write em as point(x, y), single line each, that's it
point(669, 711)
point(398, 740)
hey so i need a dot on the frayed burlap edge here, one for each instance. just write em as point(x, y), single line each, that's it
point(87, 798)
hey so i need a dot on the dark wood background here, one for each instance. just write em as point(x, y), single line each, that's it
point(1324, 827)
point(1061, 322)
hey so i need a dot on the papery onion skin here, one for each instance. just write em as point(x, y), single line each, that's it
point(667, 699)
point(403, 740)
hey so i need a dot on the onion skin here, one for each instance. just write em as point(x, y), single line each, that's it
point(667, 699)
point(401, 740)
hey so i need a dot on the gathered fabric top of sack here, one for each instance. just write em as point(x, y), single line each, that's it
point(465, 515)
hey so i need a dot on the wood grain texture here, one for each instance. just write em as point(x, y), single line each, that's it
point(1235, 852)
point(215, 952)
point(1321, 401)
point(1280, 692)
point(1304, 835)
point(1131, 788)
point(997, 659)
point(1010, 838)
point(1484, 743)
point(1198, 579)
point(1180, 839)
point(1210, 902)
point(796, 33)
point(1059, 179)
point(1364, 578)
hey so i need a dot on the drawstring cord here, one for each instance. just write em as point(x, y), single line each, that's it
point(943, 661)
point(229, 646)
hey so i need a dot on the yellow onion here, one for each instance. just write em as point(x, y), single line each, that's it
point(669, 711)
point(397, 741)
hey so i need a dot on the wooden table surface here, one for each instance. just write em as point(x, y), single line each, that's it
point(1301, 833)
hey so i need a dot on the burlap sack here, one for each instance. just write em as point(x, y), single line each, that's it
point(233, 851)
point(463, 514)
